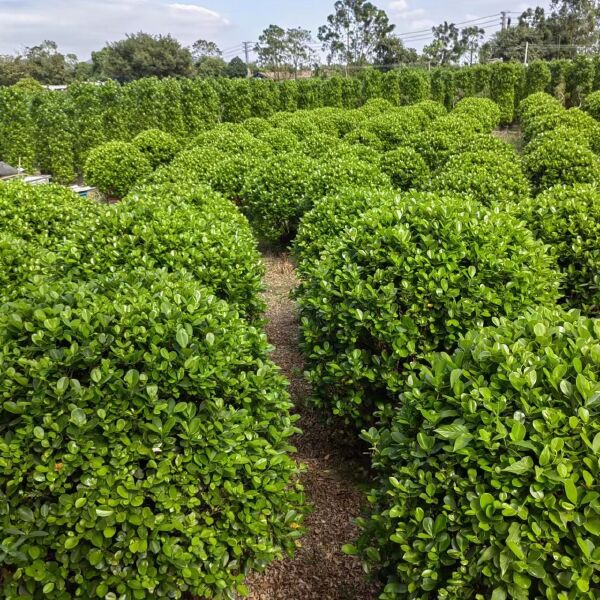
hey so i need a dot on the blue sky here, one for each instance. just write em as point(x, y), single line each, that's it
point(80, 26)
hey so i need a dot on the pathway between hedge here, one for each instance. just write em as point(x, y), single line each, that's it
point(319, 570)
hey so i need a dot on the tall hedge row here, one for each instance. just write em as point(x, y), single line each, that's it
point(55, 131)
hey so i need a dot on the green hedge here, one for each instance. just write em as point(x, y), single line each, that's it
point(488, 471)
point(487, 176)
point(143, 444)
point(406, 278)
point(567, 218)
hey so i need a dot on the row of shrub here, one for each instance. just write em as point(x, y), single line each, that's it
point(144, 432)
point(55, 132)
point(436, 319)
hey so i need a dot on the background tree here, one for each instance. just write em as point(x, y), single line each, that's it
point(391, 52)
point(271, 49)
point(208, 61)
point(447, 46)
point(471, 40)
point(143, 55)
point(236, 69)
point(354, 31)
point(575, 22)
point(298, 46)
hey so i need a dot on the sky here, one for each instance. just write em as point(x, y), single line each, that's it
point(80, 26)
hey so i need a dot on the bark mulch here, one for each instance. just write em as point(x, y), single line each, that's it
point(332, 479)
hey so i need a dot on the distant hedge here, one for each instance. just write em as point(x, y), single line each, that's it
point(55, 131)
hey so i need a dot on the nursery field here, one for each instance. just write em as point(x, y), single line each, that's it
point(331, 353)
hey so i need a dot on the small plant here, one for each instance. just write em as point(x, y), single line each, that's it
point(591, 105)
point(115, 167)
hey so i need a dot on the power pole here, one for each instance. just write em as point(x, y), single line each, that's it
point(526, 53)
point(247, 53)
point(504, 14)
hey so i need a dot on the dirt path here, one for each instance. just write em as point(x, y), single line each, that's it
point(319, 570)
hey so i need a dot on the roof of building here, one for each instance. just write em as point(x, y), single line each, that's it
point(7, 171)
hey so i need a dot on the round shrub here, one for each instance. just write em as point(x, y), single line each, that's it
point(489, 473)
point(182, 228)
point(396, 127)
point(538, 104)
point(330, 216)
point(364, 137)
point(408, 278)
point(279, 140)
point(277, 191)
point(231, 138)
point(157, 146)
point(547, 164)
point(486, 176)
point(483, 142)
point(256, 125)
point(431, 109)
point(299, 123)
point(568, 220)
point(376, 106)
point(591, 105)
point(115, 167)
point(144, 443)
point(406, 168)
point(321, 144)
point(484, 110)
point(436, 146)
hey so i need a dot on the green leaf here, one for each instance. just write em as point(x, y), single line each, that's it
point(182, 338)
point(210, 338)
point(571, 490)
point(78, 417)
point(521, 466)
point(38, 432)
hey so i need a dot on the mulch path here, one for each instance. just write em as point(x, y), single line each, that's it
point(334, 477)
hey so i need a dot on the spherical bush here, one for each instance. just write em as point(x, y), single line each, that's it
point(115, 167)
point(488, 177)
point(567, 218)
point(407, 278)
point(488, 471)
point(406, 168)
point(157, 146)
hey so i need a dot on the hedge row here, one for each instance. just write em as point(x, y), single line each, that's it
point(429, 317)
point(55, 131)
point(144, 432)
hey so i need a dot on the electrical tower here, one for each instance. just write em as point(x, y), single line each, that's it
point(247, 54)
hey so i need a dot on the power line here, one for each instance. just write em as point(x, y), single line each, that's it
point(459, 23)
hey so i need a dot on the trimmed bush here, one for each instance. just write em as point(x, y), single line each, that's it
point(330, 217)
point(182, 228)
point(547, 164)
point(484, 110)
point(489, 470)
point(277, 191)
point(144, 443)
point(158, 147)
point(406, 168)
point(408, 278)
point(488, 177)
point(568, 220)
point(591, 105)
point(115, 167)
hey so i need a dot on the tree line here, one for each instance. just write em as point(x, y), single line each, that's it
point(356, 34)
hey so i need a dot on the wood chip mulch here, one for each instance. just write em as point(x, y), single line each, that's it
point(332, 480)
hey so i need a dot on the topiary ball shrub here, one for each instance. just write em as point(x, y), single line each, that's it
point(329, 218)
point(407, 278)
point(144, 443)
point(486, 111)
point(488, 473)
point(488, 177)
point(178, 227)
point(277, 191)
point(567, 218)
point(591, 105)
point(279, 140)
point(547, 164)
point(115, 167)
point(406, 168)
point(157, 146)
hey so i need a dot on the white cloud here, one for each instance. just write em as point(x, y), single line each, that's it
point(86, 25)
point(398, 5)
point(421, 24)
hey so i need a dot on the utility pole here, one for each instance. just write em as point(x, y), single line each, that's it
point(503, 13)
point(247, 53)
point(526, 53)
